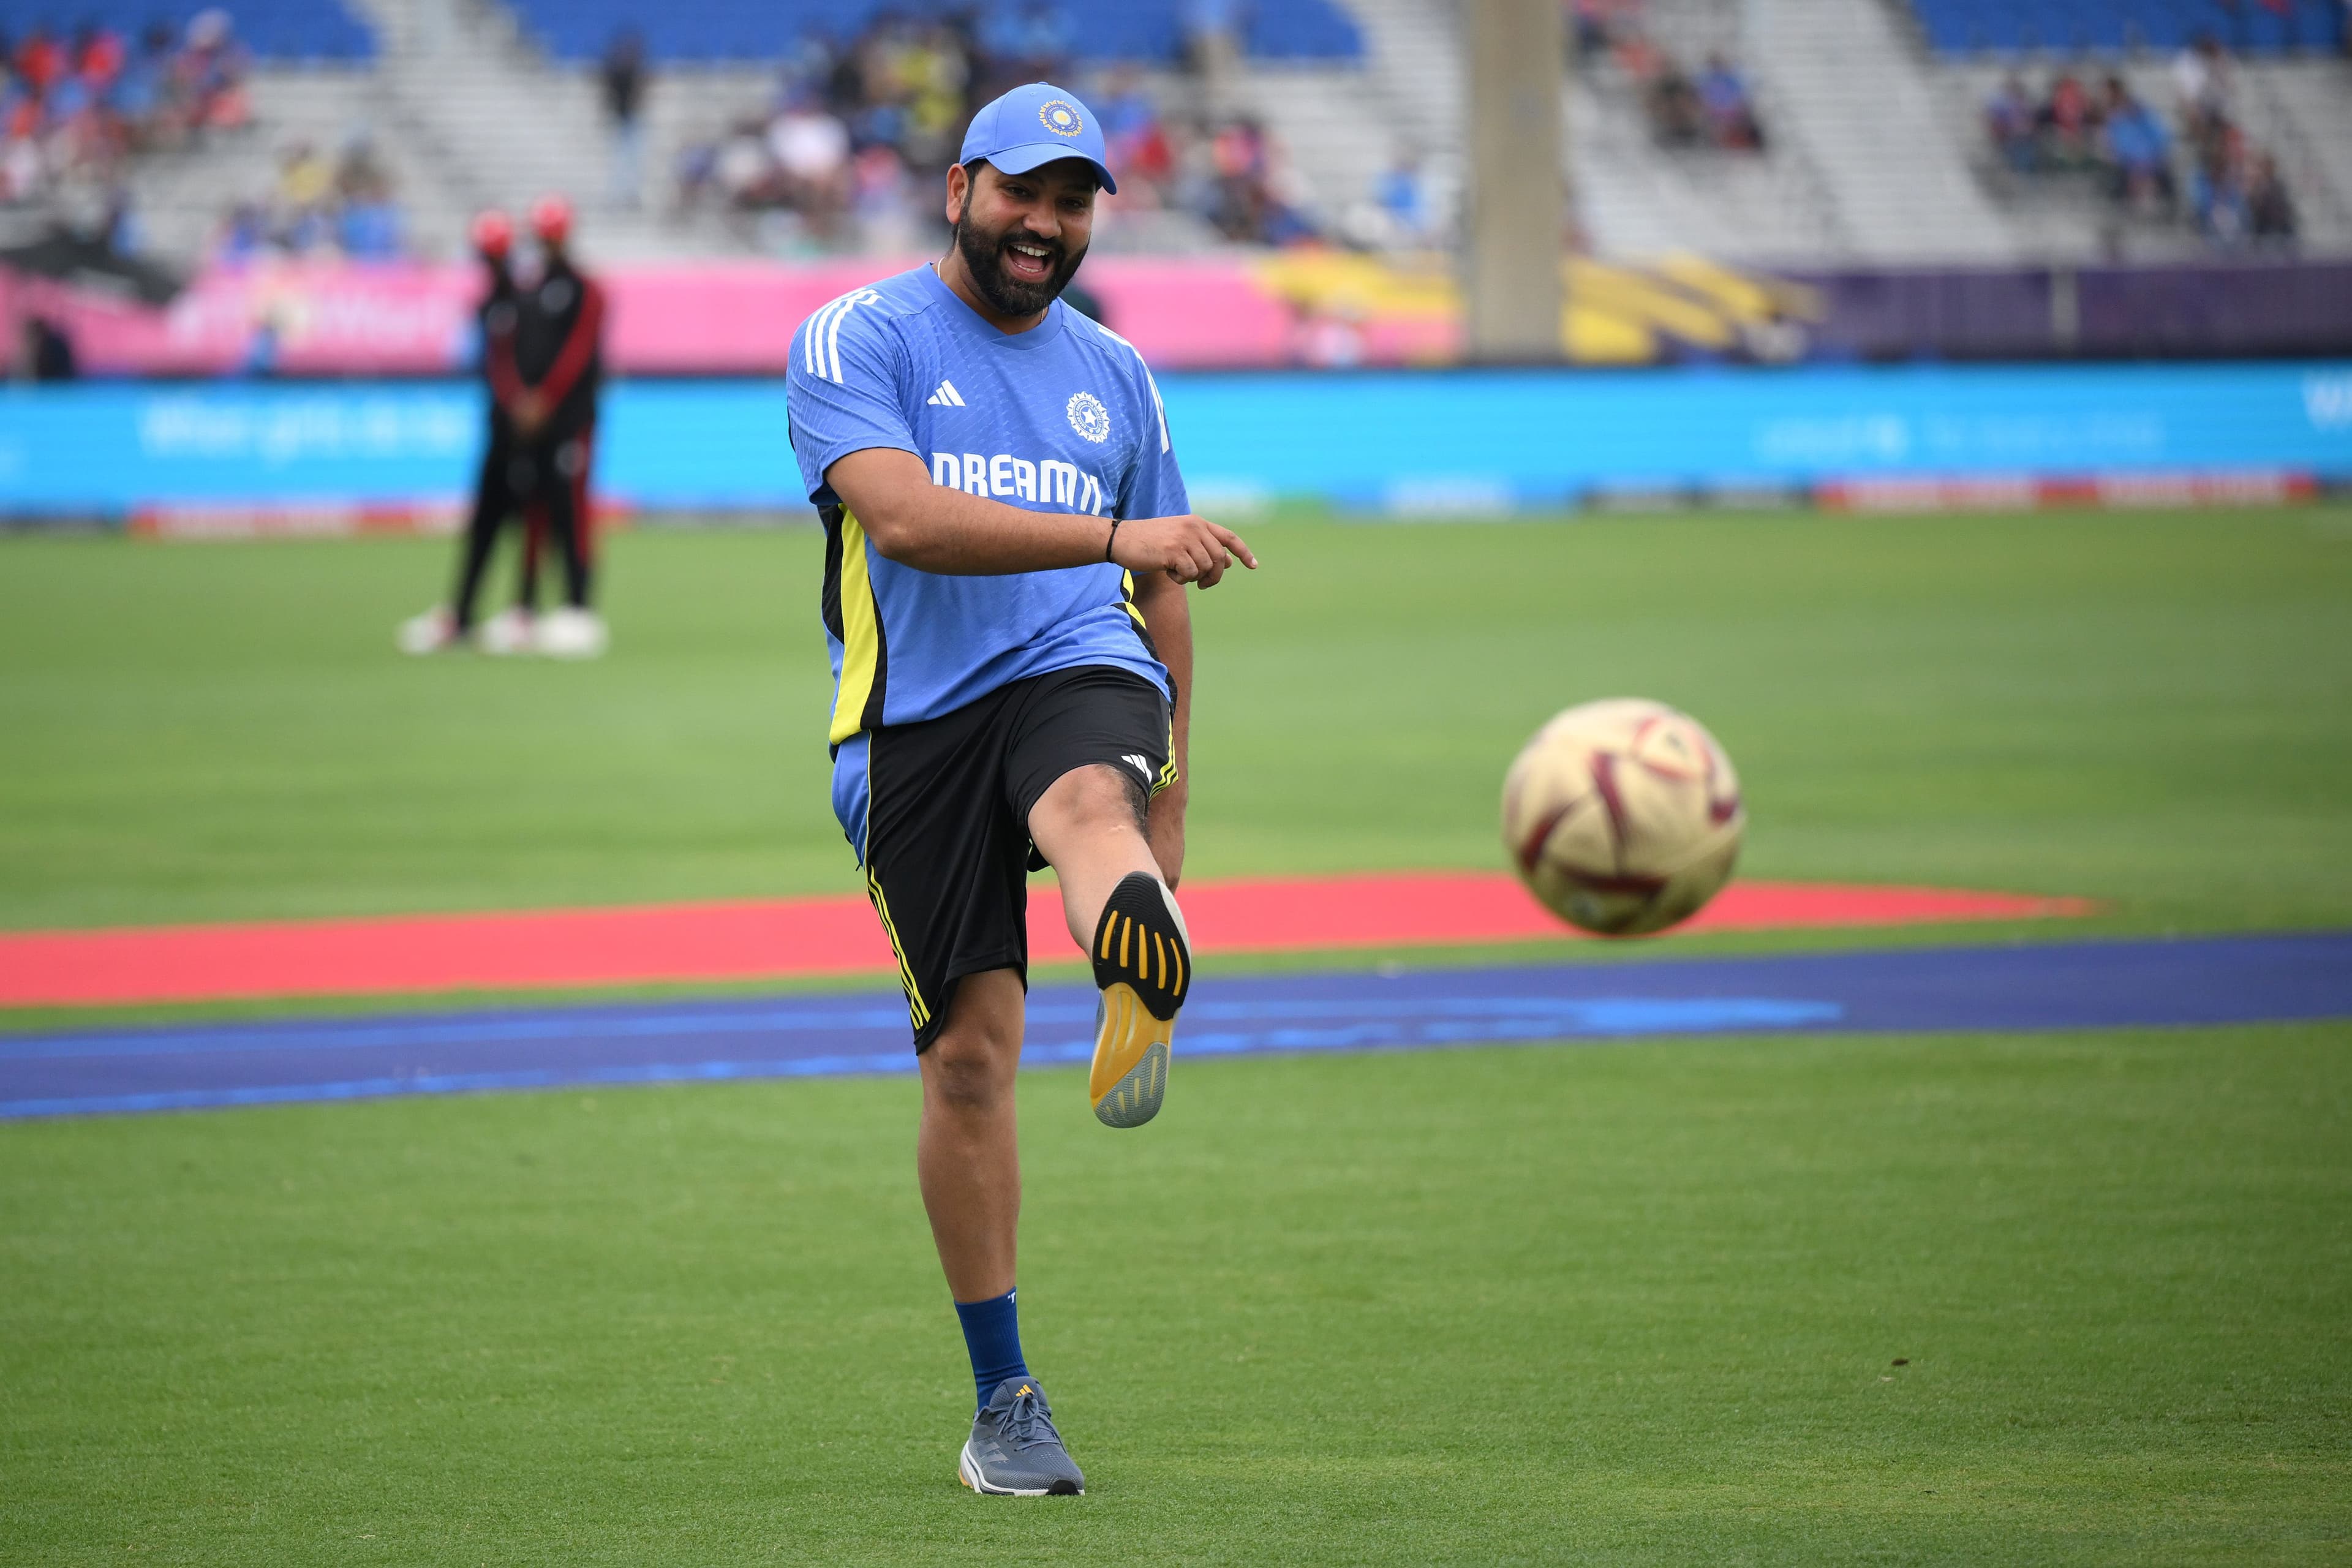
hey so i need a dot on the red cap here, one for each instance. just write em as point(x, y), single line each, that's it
point(493, 235)
point(550, 219)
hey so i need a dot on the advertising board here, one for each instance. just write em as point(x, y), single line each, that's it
point(1371, 441)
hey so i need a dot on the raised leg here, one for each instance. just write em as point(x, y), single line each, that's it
point(1089, 824)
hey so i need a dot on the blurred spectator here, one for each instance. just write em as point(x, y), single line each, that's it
point(2069, 121)
point(2201, 77)
point(40, 61)
point(98, 58)
point(1212, 32)
point(1249, 202)
point(2269, 210)
point(343, 206)
point(2136, 150)
point(245, 235)
point(2009, 116)
point(1124, 107)
point(44, 352)
point(146, 78)
point(301, 213)
point(1675, 118)
point(934, 71)
point(1596, 26)
point(368, 223)
point(1730, 114)
point(304, 178)
point(810, 153)
point(1142, 155)
point(882, 200)
point(1406, 213)
point(2217, 198)
point(623, 79)
point(209, 74)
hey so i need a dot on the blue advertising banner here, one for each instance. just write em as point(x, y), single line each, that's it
point(1406, 441)
point(1535, 438)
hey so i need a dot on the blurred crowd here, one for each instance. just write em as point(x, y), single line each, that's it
point(74, 106)
point(76, 109)
point(1709, 106)
point(320, 206)
point(2200, 169)
point(847, 152)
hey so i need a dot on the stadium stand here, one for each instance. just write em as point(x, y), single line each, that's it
point(2107, 26)
point(1146, 30)
point(2294, 112)
point(149, 125)
point(506, 120)
point(188, 199)
point(1345, 116)
point(1633, 198)
point(1874, 148)
point(291, 31)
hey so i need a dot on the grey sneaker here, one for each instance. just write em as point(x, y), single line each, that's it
point(1014, 1451)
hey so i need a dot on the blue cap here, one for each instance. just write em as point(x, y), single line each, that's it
point(1032, 125)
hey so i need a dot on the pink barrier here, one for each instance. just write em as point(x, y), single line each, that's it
point(728, 318)
point(738, 317)
point(327, 320)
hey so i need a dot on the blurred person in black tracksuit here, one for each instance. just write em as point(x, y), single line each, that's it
point(542, 357)
point(497, 490)
point(550, 390)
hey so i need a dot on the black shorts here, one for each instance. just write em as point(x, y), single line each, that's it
point(948, 854)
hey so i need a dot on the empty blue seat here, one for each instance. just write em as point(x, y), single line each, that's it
point(2247, 26)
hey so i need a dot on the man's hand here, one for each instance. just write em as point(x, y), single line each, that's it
point(530, 413)
point(1189, 549)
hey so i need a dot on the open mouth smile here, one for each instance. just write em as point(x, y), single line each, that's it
point(1029, 263)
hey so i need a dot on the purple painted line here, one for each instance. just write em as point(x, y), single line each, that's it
point(2109, 985)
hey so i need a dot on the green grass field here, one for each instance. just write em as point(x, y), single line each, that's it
point(1637, 1304)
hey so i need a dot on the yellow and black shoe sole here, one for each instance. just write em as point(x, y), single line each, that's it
point(1144, 968)
point(1131, 1071)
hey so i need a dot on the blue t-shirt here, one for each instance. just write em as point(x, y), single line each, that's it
point(1063, 417)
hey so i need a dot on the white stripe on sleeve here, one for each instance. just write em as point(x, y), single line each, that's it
point(833, 330)
point(814, 341)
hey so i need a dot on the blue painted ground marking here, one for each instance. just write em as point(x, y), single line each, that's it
point(2057, 985)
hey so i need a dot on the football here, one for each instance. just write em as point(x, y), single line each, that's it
point(1623, 816)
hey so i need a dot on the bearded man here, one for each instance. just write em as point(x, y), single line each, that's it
point(1007, 545)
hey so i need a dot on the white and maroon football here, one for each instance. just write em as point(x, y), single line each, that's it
point(1623, 816)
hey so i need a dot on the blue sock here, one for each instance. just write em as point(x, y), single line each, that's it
point(991, 1332)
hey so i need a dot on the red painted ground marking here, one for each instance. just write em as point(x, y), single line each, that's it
point(783, 937)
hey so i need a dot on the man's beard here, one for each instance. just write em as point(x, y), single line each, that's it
point(983, 259)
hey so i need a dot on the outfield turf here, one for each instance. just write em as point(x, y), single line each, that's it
point(2151, 710)
point(1625, 1304)
point(1636, 1304)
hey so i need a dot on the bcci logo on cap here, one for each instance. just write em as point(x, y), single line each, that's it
point(1088, 418)
point(1060, 118)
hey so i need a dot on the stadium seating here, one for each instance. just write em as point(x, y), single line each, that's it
point(2245, 26)
point(272, 30)
point(730, 29)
